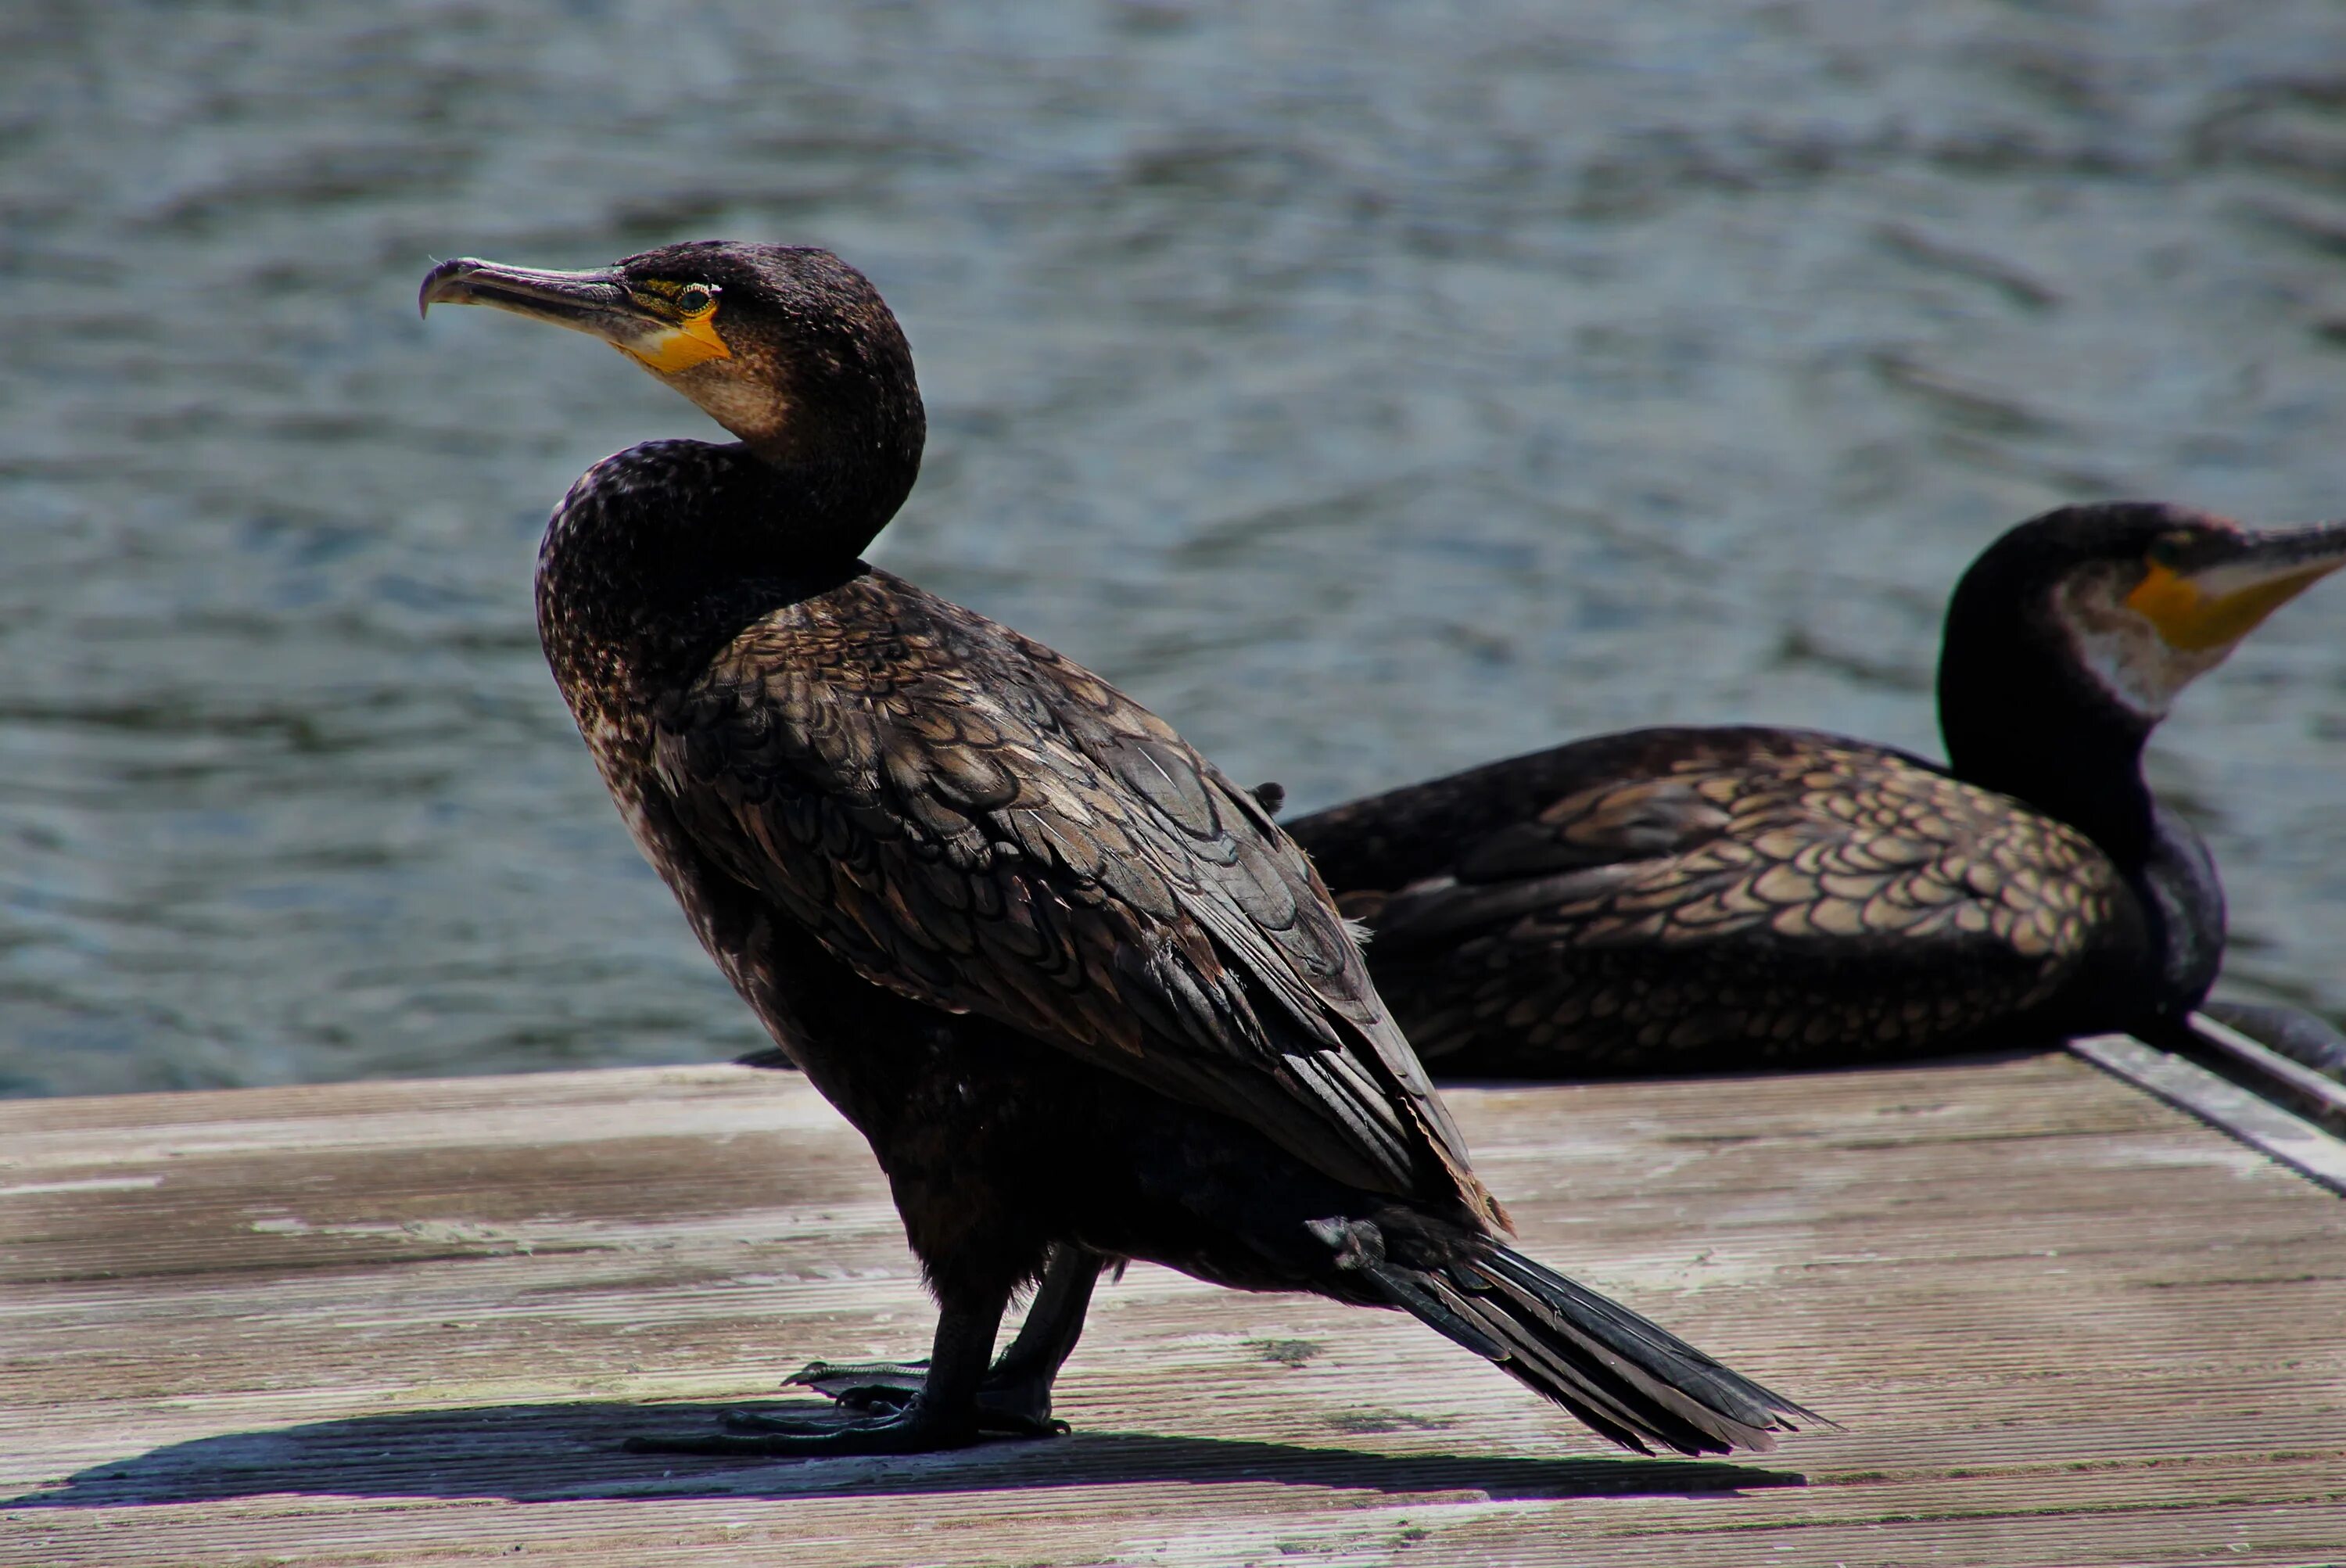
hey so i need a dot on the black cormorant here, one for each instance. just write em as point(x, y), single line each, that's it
point(1684, 899)
point(1696, 898)
point(1076, 989)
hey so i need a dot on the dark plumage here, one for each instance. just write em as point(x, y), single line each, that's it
point(1734, 898)
point(1076, 989)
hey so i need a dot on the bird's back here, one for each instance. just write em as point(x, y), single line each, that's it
point(1675, 898)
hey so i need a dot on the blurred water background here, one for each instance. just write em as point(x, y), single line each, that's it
point(1372, 389)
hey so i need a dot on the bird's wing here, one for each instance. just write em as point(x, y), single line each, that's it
point(1778, 880)
point(975, 823)
point(1837, 843)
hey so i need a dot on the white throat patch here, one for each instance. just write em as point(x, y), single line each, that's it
point(2120, 648)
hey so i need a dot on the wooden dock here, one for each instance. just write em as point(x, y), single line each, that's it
point(407, 1323)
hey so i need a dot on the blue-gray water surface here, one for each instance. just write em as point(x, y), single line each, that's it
point(1372, 389)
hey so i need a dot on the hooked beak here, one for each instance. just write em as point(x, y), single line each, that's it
point(583, 302)
point(2213, 605)
point(598, 302)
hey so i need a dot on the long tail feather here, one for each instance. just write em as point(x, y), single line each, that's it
point(1629, 1379)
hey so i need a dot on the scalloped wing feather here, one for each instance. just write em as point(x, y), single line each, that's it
point(1665, 910)
point(976, 823)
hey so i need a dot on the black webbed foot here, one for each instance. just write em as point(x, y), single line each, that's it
point(1010, 1402)
point(1014, 1394)
point(862, 1384)
point(943, 1402)
point(915, 1429)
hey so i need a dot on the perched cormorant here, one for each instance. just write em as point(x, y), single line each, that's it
point(1077, 991)
point(1684, 899)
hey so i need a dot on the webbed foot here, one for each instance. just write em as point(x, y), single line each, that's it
point(1014, 1394)
point(1009, 1403)
point(862, 1384)
point(915, 1429)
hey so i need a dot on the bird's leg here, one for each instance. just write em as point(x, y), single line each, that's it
point(1055, 1321)
point(943, 1414)
point(1016, 1395)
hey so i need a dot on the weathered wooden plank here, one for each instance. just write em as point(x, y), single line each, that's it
point(408, 1323)
point(2248, 1116)
point(2270, 1067)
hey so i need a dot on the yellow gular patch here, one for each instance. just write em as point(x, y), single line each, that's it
point(2193, 621)
point(680, 347)
point(2167, 600)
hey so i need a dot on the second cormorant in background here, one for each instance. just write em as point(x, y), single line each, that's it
point(1696, 898)
point(1077, 991)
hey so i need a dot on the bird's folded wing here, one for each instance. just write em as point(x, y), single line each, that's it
point(972, 821)
point(1828, 846)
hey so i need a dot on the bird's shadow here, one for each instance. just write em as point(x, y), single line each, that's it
point(550, 1452)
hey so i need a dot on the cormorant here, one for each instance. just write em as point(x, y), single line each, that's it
point(1697, 898)
point(1076, 990)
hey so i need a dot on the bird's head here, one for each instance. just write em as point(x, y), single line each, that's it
point(788, 347)
point(2141, 598)
point(2069, 637)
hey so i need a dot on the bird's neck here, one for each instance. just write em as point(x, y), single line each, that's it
point(2023, 716)
point(662, 553)
point(2184, 902)
point(2067, 759)
point(2035, 730)
point(819, 507)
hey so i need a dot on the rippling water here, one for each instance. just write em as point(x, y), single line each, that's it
point(1371, 389)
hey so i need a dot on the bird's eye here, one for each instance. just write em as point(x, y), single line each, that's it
point(696, 299)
